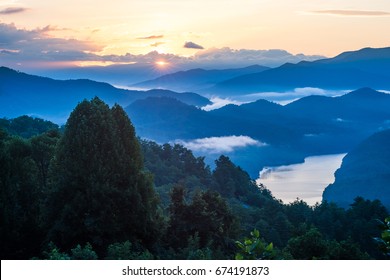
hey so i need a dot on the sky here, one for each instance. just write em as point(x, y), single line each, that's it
point(128, 31)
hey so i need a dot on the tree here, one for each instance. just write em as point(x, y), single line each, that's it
point(26, 127)
point(298, 212)
point(86, 253)
point(20, 197)
point(211, 217)
point(100, 193)
point(362, 225)
point(42, 152)
point(310, 245)
point(233, 182)
point(330, 220)
point(126, 251)
point(207, 219)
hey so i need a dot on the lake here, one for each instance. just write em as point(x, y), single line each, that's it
point(305, 180)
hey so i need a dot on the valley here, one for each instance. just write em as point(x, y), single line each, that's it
point(200, 156)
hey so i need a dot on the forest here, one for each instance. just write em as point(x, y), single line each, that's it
point(93, 190)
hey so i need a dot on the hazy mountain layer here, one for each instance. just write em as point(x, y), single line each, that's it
point(198, 79)
point(364, 68)
point(23, 94)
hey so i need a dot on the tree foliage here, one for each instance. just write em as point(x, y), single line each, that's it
point(26, 127)
point(207, 219)
point(100, 193)
point(20, 199)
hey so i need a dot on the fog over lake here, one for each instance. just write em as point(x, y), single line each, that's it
point(305, 180)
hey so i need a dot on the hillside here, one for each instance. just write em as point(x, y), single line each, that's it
point(365, 172)
point(23, 94)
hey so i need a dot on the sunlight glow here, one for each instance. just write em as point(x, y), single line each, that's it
point(161, 63)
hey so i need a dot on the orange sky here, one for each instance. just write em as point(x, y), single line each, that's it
point(140, 26)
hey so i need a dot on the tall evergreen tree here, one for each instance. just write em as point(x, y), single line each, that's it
point(100, 193)
point(19, 200)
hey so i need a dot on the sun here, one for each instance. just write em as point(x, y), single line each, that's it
point(161, 63)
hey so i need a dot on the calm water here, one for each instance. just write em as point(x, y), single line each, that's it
point(306, 180)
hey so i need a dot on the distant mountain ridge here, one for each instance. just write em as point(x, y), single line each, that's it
point(312, 125)
point(361, 109)
point(196, 79)
point(363, 68)
point(365, 172)
point(23, 94)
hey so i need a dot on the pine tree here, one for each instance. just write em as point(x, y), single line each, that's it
point(100, 193)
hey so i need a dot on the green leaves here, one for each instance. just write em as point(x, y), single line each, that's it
point(384, 241)
point(254, 248)
point(255, 233)
point(86, 253)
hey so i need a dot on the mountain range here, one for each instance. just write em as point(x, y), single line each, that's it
point(116, 74)
point(368, 67)
point(312, 125)
point(23, 94)
point(197, 79)
point(360, 110)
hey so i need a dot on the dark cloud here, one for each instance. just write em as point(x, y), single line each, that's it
point(12, 10)
point(152, 37)
point(353, 13)
point(36, 45)
point(192, 45)
point(9, 52)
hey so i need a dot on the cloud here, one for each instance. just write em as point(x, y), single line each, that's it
point(37, 45)
point(192, 45)
point(49, 28)
point(152, 37)
point(227, 57)
point(41, 45)
point(220, 144)
point(25, 46)
point(290, 96)
point(353, 13)
point(156, 44)
point(12, 10)
point(218, 102)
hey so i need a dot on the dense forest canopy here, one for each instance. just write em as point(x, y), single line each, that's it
point(93, 190)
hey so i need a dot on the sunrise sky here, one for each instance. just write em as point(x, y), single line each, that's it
point(86, 30)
